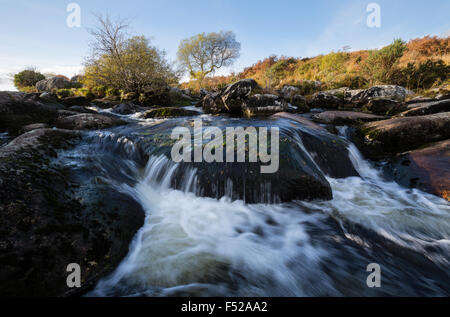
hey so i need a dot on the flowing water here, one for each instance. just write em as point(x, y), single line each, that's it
point(199, 246)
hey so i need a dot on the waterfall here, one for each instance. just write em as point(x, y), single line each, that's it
point(198, 246)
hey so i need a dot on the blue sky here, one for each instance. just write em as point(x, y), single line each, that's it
point(34, 33)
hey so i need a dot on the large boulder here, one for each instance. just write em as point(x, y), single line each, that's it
point(305, 156)
point(345, 117)
point(427, 169)
point(392, 92)
point(212, 103)
point(19, 109)
point(424, 108)
point(263, 105)
point(126, 108)
point(403, 133)
point(287, 92)
point(179, 98)
point(384, 106)
point(292, 95)
point(49, 219)
point(235, 94)
point(52, 83)
point(327, 99)
point(87, 121)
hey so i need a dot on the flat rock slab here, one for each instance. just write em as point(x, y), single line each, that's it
point(421, 109)
point(345, 117)
point(427, 169)
point(401, 134)
point(88, 121)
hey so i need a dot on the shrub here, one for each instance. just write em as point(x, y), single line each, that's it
point(111, 92)
point(423, 76)
point(381, 65)
point(99, 91)
point(27, 78)
point(63, 93)
point(29, 89)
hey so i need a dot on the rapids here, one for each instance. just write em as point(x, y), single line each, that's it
point(199, 246)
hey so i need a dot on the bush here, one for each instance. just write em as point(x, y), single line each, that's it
point(381, 65)
point(99, 91)
point(29, 89)
point(112, 92)
point(27, 78)
point(63, 93)
point(423, 76)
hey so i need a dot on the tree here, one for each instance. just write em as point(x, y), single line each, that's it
point(125, 63)
point(381, 65)
point(27, 78)
point(203, 54)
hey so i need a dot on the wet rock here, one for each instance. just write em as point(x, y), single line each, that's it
point(263, 105)
point(168, 112)
point(75, 101)
point(235, 94)
point(105, 103)
point(126, 108)
point(403, 133)
point(305, 155)
point(424, 108)
point(87, 121)
point(212, 103)
point(326, 99)
point(299, 119)
point(81, 109)
point(345, 117)
point(178, 98)
point(300, 104)
point(384, 106)
point(426, 169)
point(49, 97)
point(19, 109)
point(47, 221)
point(33, 126)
